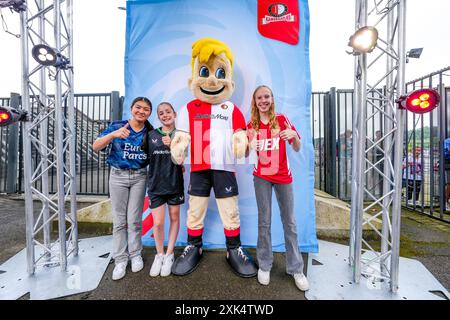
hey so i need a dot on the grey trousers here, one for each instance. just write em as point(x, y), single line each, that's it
point(285, 198)
point(127, 192)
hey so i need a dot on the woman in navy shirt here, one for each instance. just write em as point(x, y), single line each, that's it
point(128, 160)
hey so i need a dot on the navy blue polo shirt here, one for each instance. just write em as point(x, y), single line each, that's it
point(126, 153)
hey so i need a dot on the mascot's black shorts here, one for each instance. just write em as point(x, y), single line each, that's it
point(223, 182)
point(171, 199)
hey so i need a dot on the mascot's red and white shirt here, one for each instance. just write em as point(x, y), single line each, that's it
point(211, 127)
point(273, 162)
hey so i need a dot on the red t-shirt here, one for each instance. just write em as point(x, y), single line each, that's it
point(273, 163)
point(211, 128)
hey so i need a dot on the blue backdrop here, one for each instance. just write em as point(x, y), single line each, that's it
point(157, 65)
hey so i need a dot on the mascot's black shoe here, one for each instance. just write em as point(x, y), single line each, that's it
point(187, 261)
point(242, 263)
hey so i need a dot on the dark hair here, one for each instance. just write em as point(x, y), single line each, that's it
point(147, 124)
point(146, 100)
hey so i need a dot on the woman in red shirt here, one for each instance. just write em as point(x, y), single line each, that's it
point(268, 133)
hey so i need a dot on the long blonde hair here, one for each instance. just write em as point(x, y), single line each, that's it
point(255, 118)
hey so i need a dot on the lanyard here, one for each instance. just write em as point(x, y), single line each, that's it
point(165, 134)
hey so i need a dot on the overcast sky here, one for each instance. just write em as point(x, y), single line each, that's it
point(99, 44)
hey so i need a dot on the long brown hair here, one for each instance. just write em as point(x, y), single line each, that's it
point(255, 118)
point(167, 103)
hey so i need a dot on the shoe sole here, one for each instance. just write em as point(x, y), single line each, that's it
point(118, 278)
point(154, 275)
point(137, 270)
point(303, 289)
point(190, 271)
point(240, 274)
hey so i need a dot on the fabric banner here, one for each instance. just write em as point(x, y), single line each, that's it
point(159, 37)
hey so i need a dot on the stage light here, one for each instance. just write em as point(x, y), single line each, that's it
point(364, 40)
point(420, 101)
point(16, 5)
point(414, 53)
point(48, 56)
point(10, 115)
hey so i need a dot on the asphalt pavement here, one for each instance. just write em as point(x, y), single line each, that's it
point(423, 238)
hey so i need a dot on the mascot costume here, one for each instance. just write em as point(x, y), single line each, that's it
point(215, 130)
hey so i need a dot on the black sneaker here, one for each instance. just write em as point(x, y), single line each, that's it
point(242, 263)
point(187, 261)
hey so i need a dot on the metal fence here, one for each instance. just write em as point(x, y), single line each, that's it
point(332, 114)
point(93, 113)
point(425, 189)
point(424, 174)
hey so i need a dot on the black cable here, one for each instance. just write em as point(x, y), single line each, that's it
point(5, 26)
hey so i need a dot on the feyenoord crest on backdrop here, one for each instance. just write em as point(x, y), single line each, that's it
point(279, 20)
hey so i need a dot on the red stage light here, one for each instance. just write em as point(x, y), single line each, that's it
point(10, 115)
point(4, 116)
point(420, 101)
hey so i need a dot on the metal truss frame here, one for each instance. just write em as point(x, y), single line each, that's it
point(388, 16)
point(48, 22)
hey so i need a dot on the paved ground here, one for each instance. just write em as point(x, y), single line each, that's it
point(422, 238)
point(213, 280)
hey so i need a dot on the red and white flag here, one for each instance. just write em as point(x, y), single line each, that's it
point(279, 20)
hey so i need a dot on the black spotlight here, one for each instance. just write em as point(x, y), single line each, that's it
point(48, 56)
point(10, 115)
point(414, 53)
point(16, 5)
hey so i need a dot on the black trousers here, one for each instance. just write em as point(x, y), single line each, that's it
point(410, 188)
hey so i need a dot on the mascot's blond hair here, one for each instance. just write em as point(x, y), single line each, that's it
point(204, 48)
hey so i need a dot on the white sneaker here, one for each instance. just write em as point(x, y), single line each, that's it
point(156, 266)
point(137, 264)
point(263, 277)
point(166, 268)
point(301, 282)
point(119, 270)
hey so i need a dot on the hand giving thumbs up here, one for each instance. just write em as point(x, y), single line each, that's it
point(123, 132)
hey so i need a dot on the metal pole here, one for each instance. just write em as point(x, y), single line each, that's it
point(331, 150)
point(398, 156)
point(27, 168)
point(355, 115)
point(44, 137)
point(72, 129)
point(59, 143)
point(442, 137)
point(13, 148)
point(359, 130)
point(388, 126)
point(116, 111)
